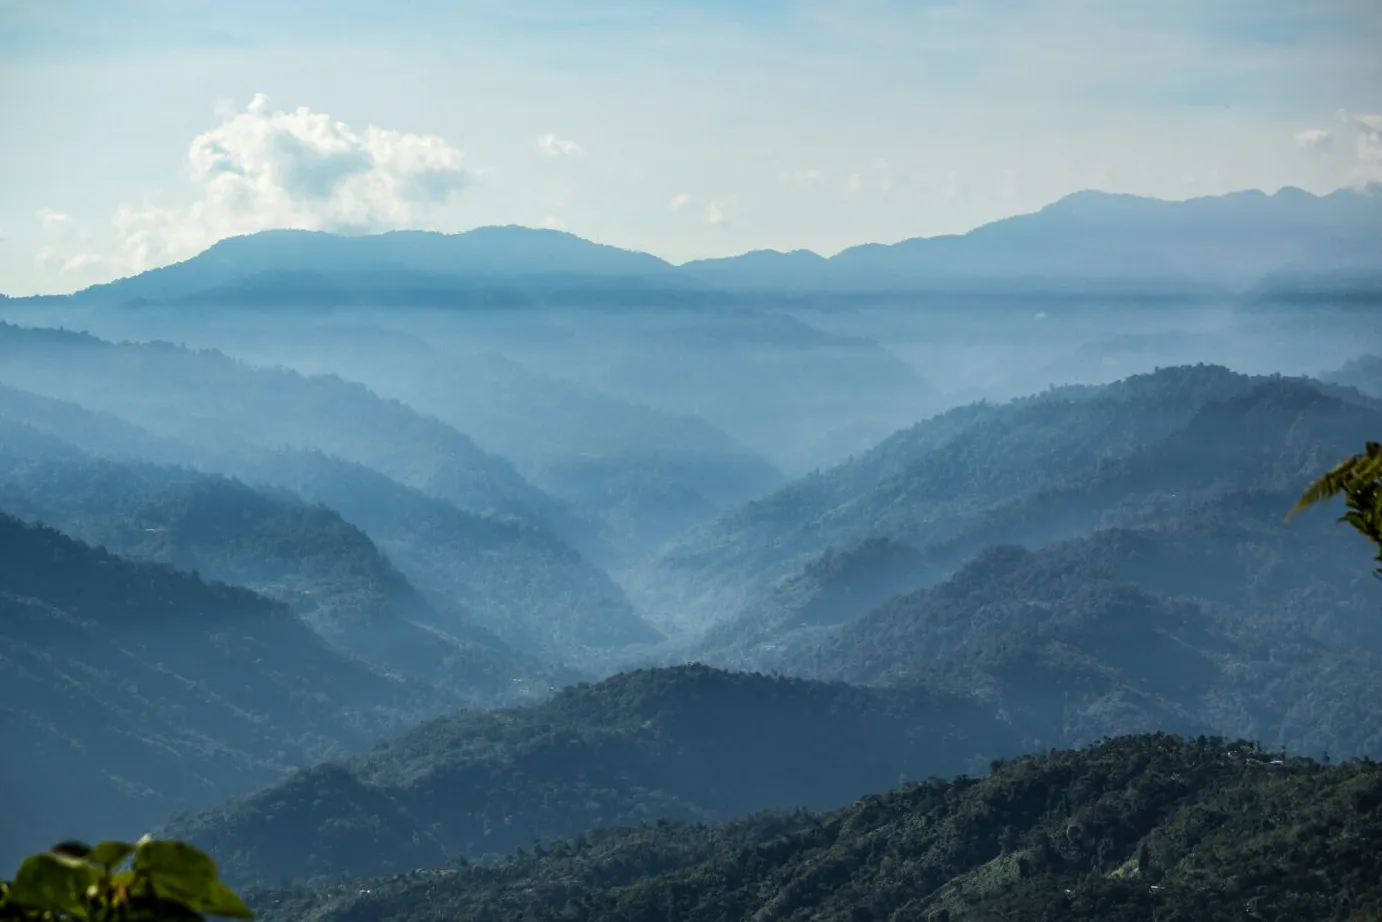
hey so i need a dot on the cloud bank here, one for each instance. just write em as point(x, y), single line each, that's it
point(263, 168)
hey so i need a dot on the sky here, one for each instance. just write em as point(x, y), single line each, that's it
point(137, 133)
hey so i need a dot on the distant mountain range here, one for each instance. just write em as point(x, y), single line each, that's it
point(1290, 243)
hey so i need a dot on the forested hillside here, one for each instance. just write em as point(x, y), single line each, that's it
point(1191, 830)
point(519, 580)
point(326, 570)
point(136, 690)
point(686, 743)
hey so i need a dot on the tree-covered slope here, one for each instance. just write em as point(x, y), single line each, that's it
point(306, 556)
point(1054, 466)
point(520, 580)
point(1062, 650)
point(931, 482)
point(1135, 828)
point(829, 591)
point(129, 690)
point(682, 743)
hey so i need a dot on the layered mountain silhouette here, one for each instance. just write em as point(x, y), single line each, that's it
point(1290, 243)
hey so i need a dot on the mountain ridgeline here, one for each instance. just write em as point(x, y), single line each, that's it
point(502, 575)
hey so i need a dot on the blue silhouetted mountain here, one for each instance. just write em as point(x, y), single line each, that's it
point(1095, 240)
point(1288, 243)
point(500, 265)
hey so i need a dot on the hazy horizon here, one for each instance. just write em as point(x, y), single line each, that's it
point(689, 131)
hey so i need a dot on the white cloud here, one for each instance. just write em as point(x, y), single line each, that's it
point(264, 168)
point(717, 212)
point(678, 202)
point(1314, 139)
point(50, 220)
point(549, 145)
point(802, 177)
point(876, 177)
point(1367, 145)
point(1354, 153)
point(553, 222)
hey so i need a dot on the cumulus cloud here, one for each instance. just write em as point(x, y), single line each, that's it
point(718, 211)
point(678, 202)
point(264, 168)
point(1367, 144)
point(1315, 139)
point(1353, 153)
point(549, 145)
point(552, 222)
point(49, 220)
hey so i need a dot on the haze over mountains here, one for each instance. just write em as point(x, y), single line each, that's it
point(1110, 243)
point(380, 553)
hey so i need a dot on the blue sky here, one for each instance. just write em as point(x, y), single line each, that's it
point(138, 132)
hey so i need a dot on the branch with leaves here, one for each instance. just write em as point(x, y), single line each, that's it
point(1359, 479)
point(152, 880)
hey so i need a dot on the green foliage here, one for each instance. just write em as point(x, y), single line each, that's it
point(1359, 479)
point(151, 881)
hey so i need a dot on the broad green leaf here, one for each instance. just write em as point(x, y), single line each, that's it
point(175, 861)
point(178, 871)
point(111, 854)
point(52, 881)
point(71, 849)
point(154, 909)
point(220, 900)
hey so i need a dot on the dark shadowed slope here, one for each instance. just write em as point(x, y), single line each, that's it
point(521, 581)
point(1127, 830)
point(1058, 647)
point(326, 569)
point(129, 690)
point(690, 743)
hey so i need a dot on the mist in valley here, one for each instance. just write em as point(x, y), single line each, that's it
point(510, 573)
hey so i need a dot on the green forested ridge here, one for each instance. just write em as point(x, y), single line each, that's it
point(688, 742)
point(1190, 830)
point(188, 690)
